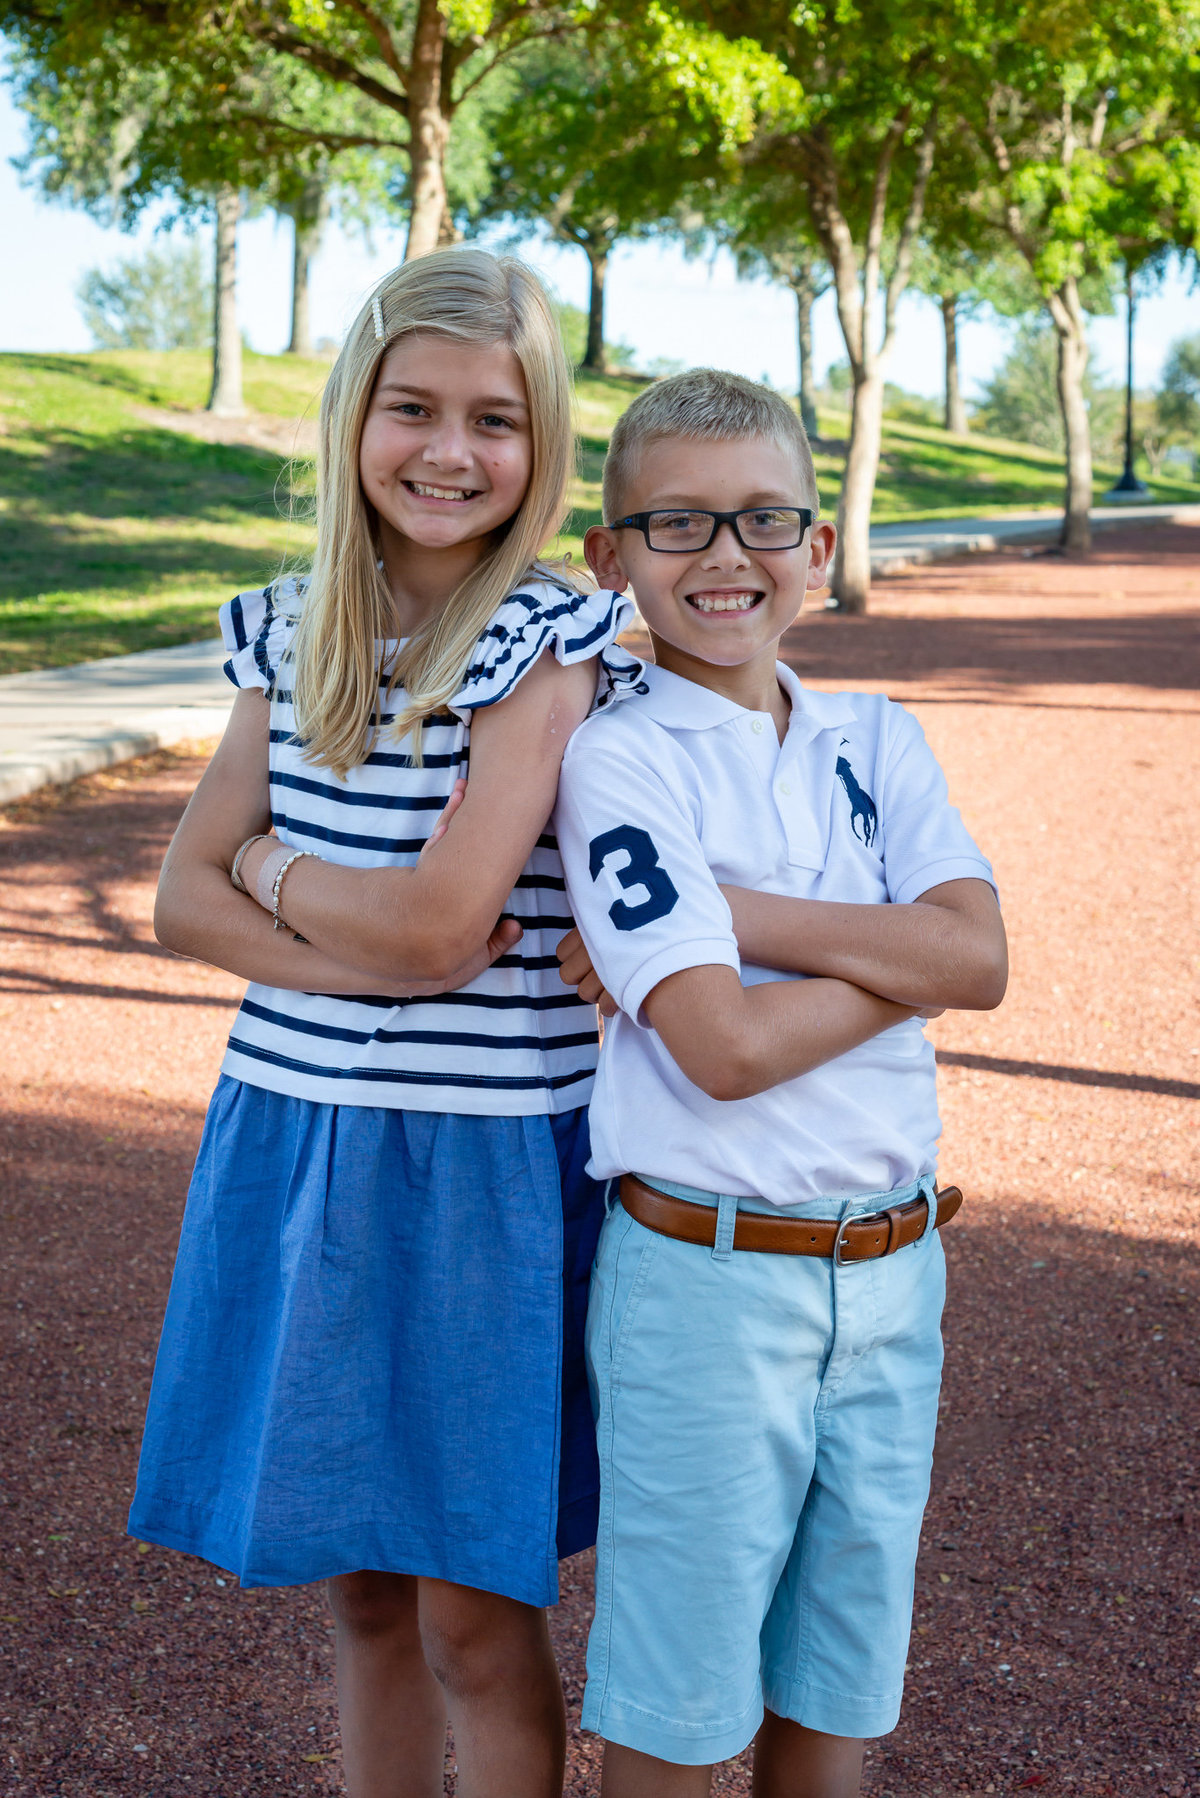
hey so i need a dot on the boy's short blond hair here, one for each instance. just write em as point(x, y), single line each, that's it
point(705, 403)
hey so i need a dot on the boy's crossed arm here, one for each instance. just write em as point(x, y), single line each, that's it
point(660, 936)
point(733, 1041)
point(945, 950)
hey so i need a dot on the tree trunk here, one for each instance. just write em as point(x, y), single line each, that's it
point(1067, 314)
point(309, 215)
point(225, 400)
point(804, 288)
point(428, 131)
point(852, 566)
point(955, 416)
point(593, 355)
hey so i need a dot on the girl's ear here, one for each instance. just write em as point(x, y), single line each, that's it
point(603, 558)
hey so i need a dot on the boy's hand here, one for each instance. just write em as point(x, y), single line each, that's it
point(575, 969)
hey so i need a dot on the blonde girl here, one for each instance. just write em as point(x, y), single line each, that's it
point(370, 1371)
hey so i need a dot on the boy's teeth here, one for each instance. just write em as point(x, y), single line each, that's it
point(440, 492)
point(723, 602)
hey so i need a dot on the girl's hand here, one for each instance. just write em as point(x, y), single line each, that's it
point(457, 794)
point(575, 969)
point(503, 939)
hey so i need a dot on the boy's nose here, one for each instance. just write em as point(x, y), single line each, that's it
point(725, 550)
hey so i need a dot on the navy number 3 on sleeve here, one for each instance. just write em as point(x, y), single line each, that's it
point(641, 870)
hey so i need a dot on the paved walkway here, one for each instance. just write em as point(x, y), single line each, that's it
point(63, 722)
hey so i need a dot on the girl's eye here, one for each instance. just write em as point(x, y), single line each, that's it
point(409, 409)
point(493, 419)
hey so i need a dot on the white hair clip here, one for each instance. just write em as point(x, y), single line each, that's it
point(377, 315)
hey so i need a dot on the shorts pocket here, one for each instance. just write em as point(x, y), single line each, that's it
point(626, 1255)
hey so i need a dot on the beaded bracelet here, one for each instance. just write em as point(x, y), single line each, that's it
point(296, 856)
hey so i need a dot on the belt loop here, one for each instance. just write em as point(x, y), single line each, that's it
point(726, 1224)
point(929, 1189)
point(608, 1197)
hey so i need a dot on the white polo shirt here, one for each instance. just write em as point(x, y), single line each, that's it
point(675, 789)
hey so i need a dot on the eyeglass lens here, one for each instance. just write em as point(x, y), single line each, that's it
point(767, 527)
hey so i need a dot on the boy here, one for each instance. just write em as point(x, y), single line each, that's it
point(766, 1368)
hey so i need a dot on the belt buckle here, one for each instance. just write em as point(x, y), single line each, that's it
point(853, 1217)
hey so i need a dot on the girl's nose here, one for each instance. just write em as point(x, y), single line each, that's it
point(448, 446)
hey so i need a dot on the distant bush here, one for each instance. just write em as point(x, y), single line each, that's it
point(898, 402)
point(1178, 402)
point(910, 408)
point(161, 300)
point(573, 324)
point(1021, 399)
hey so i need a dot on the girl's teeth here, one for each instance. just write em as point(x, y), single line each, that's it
point(729, 602)
point(440, 492)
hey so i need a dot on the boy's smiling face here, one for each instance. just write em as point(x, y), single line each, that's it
point(715, 615)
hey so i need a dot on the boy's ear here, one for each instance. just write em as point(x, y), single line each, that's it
point(820, 555)
point(604, 559)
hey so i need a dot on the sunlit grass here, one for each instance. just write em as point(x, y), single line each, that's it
point(119, 531)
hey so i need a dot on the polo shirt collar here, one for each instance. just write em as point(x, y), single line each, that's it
point(682, 705)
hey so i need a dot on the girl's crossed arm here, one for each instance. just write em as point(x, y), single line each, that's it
point(199, 913)
point(423, 923)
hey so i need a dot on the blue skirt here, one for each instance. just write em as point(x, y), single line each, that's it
point(372, 1355)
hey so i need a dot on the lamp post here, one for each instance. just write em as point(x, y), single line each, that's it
point(1128, 487)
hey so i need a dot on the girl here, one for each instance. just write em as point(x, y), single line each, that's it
point(370, 1370)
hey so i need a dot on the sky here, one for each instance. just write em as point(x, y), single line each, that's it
point(658, 302)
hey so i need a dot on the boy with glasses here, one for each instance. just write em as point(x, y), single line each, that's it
point(764, 1325)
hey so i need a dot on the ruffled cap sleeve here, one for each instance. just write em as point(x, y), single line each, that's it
point(256, 629)
point(544, 615)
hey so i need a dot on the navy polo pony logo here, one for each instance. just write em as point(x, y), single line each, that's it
point(862, 806)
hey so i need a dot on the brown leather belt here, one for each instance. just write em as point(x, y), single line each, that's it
point(861, 1239)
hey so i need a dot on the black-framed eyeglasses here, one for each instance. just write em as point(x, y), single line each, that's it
point(681, 530)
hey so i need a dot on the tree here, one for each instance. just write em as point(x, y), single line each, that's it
point(607, 134)
point(750, 224)
point(157, 301)
point(1016, 401)
point(409, 63)
point(950, 277)
point(849, 150)
point(309, 214)
point(1084, 120)
point(115, 131)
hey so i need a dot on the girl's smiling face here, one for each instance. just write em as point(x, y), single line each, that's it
point(446, 454)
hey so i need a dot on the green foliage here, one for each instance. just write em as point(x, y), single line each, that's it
point(1083, 122)
point(604, 135)
point(1019, 401)
point(573, 324)
point(1178, 401)
point(161, 300)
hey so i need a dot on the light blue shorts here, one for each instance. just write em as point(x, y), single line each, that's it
point(766, 1429)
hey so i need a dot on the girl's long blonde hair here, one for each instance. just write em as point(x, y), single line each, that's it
point(470, 297)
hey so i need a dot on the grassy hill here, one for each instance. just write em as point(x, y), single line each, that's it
point(125, 518)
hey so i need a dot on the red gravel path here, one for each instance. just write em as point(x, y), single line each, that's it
point(1057, 1641)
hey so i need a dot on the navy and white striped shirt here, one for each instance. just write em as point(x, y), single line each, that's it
point(513, 1042)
